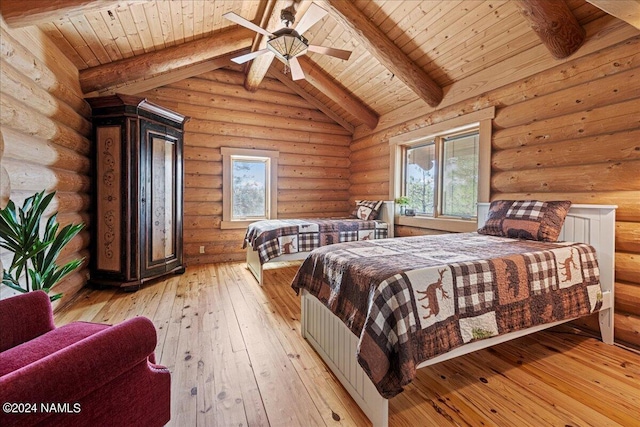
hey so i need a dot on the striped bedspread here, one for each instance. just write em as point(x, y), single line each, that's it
point(411, 299)
point(273, 238)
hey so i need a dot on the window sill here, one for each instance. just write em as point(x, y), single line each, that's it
point(443, 224)
point(230, 225)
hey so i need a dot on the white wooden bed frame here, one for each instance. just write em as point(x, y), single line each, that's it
point(336, 344)
point(387, 214)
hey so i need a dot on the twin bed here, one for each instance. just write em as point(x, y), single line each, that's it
point(293, 239)
point(377, 310)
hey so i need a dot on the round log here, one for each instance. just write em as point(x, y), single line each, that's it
point(628, 237)
point(193, 194)
point(312, 184)
point(609, 176)
point(310, 172)
point(202, 167)
point(573, 152)
point(21, 88)
point(217, 141)
point(202, 181)
point(287, 159)
point(603, 120)
point(46, 75)
point(628, 267)
point(264, 132)
point(202, 208)
point(235, 117)
point(271, 106)
point(555, 24)
point(596, 93)
point(32, 177)
point(33, 149)
point(301, 196)
point(312, 206)
point(201, 85)
point(15, 115)
point(628, 297)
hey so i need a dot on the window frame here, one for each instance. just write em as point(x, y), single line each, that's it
point(271, 158)
point(481, 120)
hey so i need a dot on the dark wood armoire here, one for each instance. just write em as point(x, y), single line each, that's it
point(138, 193)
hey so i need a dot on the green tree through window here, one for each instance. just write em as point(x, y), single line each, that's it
point(443, 172)
point(249, 189)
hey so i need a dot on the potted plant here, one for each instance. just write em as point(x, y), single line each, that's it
point(35, 254)
point(402, 201)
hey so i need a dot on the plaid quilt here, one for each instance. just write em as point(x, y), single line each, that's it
point(273, 238)
point(411, 299)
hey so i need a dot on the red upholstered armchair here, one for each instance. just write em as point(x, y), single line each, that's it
point(81, 374)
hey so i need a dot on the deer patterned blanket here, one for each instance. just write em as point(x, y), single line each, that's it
point(273, 238)
point(410, 299)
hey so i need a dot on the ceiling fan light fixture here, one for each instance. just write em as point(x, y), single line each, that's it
point(287, 44)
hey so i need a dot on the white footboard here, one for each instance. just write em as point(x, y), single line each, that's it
point(336, 344)
point(256, 268)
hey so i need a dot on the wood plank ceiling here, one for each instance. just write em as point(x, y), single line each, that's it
point(446, 40)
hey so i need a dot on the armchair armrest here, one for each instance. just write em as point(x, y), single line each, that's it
point(77, 370)
point(23, 318)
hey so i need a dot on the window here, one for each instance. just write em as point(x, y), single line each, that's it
point(453, 187)
point(444, 170)
point(249, 186)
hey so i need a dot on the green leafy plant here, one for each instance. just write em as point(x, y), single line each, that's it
point(402, 200)
point(33, 253)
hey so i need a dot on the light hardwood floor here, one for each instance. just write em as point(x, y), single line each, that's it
point(237, 358)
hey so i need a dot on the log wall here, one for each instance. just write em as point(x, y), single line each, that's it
point(570, 132)
point(313, 171)
point(44, 139)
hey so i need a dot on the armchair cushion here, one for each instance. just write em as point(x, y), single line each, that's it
point(44, 345)
point(23, 318)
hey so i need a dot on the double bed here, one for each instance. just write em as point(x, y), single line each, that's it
point(392, 306)
point(292, 239)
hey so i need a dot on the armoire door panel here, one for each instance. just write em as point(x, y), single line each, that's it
point(161, 192)
point(109, 202)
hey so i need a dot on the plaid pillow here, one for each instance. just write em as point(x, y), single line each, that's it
point(366, 209)
point(526, 219)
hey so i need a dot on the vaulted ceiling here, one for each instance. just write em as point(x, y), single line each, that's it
point(403, 51)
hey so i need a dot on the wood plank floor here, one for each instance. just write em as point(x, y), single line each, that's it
point(237, 358)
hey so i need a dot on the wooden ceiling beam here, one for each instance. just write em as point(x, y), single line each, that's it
point(151, 64)
point(325, 84)
point(385, 51)
point(258, 68)
point(626, 10)
point(286, 80)
point(149, 83)
point(555, 24)
point(22, 13)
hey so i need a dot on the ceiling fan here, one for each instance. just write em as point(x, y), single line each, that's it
point(286, 43)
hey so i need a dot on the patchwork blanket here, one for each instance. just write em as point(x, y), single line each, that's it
point(411, 299)
point(273, 238)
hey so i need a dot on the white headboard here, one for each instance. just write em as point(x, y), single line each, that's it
point(387, 214)
point(592, 224)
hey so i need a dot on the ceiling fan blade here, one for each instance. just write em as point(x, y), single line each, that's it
point(231, 16)
point(313, 15)
point(249, 56)
point(296, 69)
point(338, 53)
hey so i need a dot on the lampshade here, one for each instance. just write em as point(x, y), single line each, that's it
point(287, 44)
